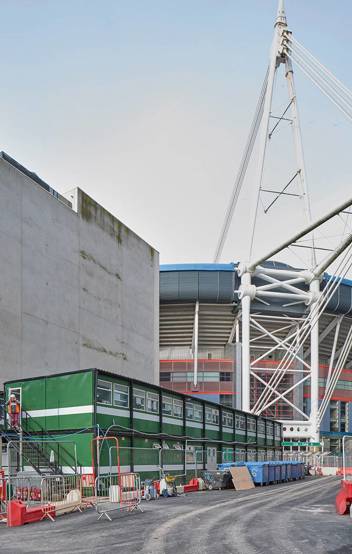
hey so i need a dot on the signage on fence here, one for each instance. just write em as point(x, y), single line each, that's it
point(289, 443)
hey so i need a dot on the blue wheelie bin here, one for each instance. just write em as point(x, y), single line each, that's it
point(271, 468)
point(283, 467)
point(277, 472)
point(294, 470)
point(259, 472)
point(227, 465)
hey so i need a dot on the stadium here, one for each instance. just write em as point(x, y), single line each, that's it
point(200, 346)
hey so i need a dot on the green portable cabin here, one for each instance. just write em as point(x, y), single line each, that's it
point(155, 427)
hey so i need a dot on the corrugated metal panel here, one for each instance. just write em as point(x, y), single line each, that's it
point(190, 286)
point(169, 290)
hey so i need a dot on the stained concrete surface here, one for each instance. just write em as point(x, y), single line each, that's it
point(77, 289)
point(296, 518)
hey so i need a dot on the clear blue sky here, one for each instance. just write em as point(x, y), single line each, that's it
point(146, 105)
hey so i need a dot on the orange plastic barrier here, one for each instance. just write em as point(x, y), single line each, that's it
point(2, 486)
point(192, 486)
point(343, 499)
point(348, 470)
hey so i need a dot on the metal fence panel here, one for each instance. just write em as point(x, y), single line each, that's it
point(117, 492)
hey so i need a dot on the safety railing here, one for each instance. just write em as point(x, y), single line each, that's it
point(117, 492)
point(60, 494)
point(49, 447)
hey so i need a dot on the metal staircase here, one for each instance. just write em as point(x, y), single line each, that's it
point(34, 447)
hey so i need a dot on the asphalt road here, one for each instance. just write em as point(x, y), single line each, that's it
point(292, 518)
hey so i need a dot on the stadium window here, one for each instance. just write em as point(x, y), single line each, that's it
point(139, 399)
point(121, 395)
point(167, 405)
point(104, 392)
point(165, 376)
point(226, 400)
point(225, 376)
point(211, 377)
point(152, 402)
point(178, 377)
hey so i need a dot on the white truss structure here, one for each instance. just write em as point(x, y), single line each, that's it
point(294, 340)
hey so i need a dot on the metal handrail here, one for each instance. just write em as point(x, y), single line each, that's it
point(61, 450)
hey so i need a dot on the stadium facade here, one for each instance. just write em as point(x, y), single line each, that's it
point(200, 344)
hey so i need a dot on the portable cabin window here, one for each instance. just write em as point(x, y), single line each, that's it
point(261, 427)
point(121, 395)
point(189, 410)
point(208, 415)
point(270, 428)
point(197, 412)
point(104, 392)
point(215, 416)
point(178, 408)
point(240, 422)
point(277, 431)
point(152, 402)
point(199, 458)
point(139, 399)
point(251, 424)
point(167, 405)
point(227, 419)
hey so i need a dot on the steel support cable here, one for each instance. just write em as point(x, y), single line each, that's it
point(310, 322)
point(323, 86)
point(324, 74)
point(327, 78)
point(242, 169)
point(320, 85)
point(323, 68)
point(336, 375)
point(315, 314)
point(320, 80)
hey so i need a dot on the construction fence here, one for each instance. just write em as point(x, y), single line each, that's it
point(54, 495)
point(156, 461)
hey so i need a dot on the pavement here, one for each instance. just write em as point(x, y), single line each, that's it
point(297, 518)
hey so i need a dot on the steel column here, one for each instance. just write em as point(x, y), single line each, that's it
point(314, 364)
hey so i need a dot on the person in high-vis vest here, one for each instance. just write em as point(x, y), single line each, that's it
point(14, 410)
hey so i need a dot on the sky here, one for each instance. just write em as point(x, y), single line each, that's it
point(146, 106)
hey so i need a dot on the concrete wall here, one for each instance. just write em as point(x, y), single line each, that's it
point(77, 290)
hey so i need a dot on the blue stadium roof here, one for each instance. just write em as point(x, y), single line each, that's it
point(198, 267)
point(209, 282)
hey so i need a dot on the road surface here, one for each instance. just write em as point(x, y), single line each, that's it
point(297, 518)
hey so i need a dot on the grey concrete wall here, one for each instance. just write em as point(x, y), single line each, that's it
point(77, 290)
